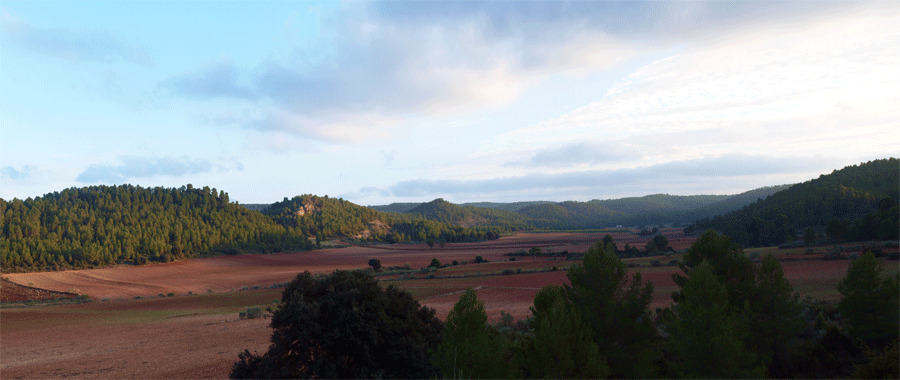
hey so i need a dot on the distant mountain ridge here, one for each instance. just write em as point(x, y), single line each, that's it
point(631, 211)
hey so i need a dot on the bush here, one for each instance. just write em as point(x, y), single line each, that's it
point(170, 295)
point(253, 312)
point(479, 260)
point(655, 263)
point(375, 264)
point(347, 342)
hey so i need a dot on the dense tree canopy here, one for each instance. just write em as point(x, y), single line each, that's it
point(103, 225)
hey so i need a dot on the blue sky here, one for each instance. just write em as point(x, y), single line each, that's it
point(380, 102)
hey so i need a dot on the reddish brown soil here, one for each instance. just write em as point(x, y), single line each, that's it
point(227, 273)
point(200, 336)
point(12, 292)
point(108, 340)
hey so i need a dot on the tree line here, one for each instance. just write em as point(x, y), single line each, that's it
point(731, 318)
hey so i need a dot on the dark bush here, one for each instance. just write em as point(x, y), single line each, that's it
point(345, 326)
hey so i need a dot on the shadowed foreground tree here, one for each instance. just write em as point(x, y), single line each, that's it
point(870, 302)
point(761, 291)
point(345, 326)
point(563, 346)
point(708, 334)
point(470, 348)
point(615, 309)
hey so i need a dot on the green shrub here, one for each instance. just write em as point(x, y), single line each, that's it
point(254, 312)
point(170, 295)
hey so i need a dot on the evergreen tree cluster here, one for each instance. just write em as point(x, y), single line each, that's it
point(103, 225)
point(856, 203)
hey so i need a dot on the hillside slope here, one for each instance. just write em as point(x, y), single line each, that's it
point(855, 203)
point(325, 217)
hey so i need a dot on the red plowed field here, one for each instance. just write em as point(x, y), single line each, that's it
point(199, 336)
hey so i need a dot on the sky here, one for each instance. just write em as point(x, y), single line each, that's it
point(381, 102)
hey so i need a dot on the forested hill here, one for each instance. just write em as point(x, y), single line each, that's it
point(396, 207)
point(650, 209)
point(442, 211)
point(406, 207)
point(102, 225)
point(632, 211)
point(855, 203)
point(325, 217)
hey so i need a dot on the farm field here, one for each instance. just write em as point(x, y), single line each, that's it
point(200, 335)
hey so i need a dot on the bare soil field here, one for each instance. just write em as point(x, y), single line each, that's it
point(164, 338)
point(200, 335)
point(226, 273)
point(12, 292)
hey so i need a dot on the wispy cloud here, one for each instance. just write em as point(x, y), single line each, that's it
point(217, 79)
point(800, 86)
point(589, 152)
point(145, 167)
point(10, 172)
point(73, 45)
